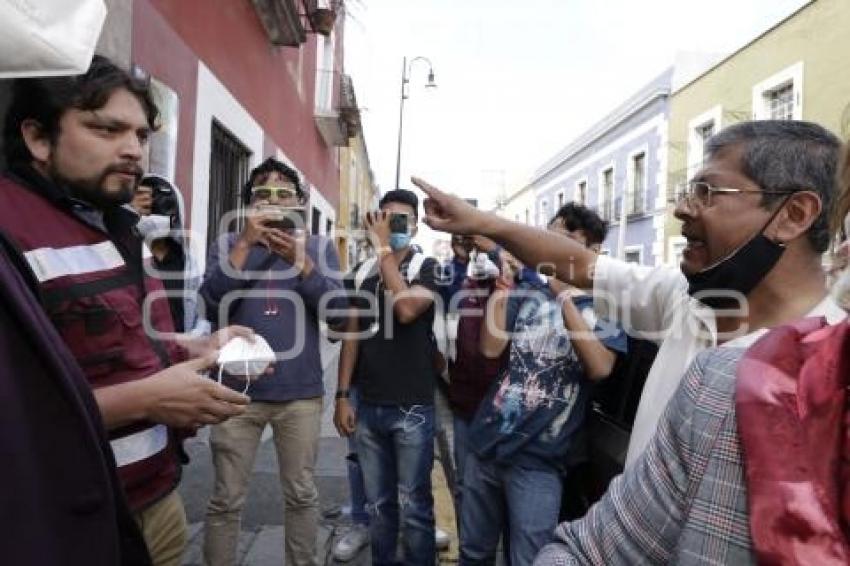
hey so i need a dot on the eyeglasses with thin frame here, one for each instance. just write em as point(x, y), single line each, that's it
point(697, 194)
point(265, 192)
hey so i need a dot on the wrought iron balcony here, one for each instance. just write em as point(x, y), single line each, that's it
point(337, 115)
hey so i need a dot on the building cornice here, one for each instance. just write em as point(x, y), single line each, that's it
point(641, 100)
point(745, 46)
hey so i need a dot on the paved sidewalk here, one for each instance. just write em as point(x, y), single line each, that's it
point(261, 539)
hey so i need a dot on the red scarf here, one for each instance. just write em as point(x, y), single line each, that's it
point(794, 425)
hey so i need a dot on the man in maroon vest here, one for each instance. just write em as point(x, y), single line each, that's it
point(74, 147)
point(83, 519)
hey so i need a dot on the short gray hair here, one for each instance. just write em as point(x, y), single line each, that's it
point(787, 155)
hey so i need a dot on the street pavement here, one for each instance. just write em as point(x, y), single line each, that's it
point(261, 539)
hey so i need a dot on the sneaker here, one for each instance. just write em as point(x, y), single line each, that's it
point(442, 539)
point(350, 544)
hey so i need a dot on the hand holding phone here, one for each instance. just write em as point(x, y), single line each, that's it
point(285, 218)
point(291, 246)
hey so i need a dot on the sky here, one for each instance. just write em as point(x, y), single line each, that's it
point(517, 79)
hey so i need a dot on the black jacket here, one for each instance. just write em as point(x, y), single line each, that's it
point(60, 497)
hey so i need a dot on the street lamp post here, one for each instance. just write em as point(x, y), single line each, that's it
point(405, 80)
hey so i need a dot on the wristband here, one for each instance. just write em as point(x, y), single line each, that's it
point(342, 394)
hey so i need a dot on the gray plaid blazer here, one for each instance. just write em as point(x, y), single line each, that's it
point(684, 501)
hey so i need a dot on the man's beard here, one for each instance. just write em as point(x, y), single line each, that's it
point(93, 190)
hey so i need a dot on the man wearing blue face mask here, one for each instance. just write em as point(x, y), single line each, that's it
point(392, 366)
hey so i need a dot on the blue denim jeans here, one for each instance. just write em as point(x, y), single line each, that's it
point(396, 448)
point(493, 495)
point(356, 489)
point(460, 428)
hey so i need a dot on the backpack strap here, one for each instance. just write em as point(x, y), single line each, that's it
point(415, 266)
point(363, 272)
point(413, 269)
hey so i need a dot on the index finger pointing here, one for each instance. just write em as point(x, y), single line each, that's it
point(427, 188)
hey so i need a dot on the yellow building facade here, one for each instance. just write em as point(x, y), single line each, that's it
point(796, 70)
point(357, 195)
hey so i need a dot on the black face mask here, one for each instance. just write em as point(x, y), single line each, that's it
point(740, 271)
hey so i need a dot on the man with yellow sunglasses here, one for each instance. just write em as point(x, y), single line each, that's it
point(285, 273)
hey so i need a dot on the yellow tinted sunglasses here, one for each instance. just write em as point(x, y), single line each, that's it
point(265, 192)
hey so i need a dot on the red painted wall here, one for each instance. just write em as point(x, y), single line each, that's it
point(228, 37)
point(161, 52)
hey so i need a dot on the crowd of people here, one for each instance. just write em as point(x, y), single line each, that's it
point(738, 451)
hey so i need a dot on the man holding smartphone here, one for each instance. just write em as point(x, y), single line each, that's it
point(273, 277)
point(160, 207)
point(393, 369)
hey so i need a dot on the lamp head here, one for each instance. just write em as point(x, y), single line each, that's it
point(431, 83)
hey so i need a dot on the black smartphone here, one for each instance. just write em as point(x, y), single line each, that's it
point(164, 201)
point(398, 223)
point(285, 218)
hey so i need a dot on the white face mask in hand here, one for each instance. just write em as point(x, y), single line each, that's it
point(245, 359)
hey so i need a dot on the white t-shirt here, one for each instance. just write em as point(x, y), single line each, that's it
point(653, 303)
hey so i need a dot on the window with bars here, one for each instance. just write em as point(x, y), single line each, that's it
point(560, 199)
point(780, 102)
point(705, 131)
point(633, 255)
point(696, 146)
point(637, 195)
point(229, 167)
point(544, 213)
point(607, 200)
point(355, 217)
point(581, 192)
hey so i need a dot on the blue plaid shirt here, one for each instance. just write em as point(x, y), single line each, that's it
point(684, 501)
